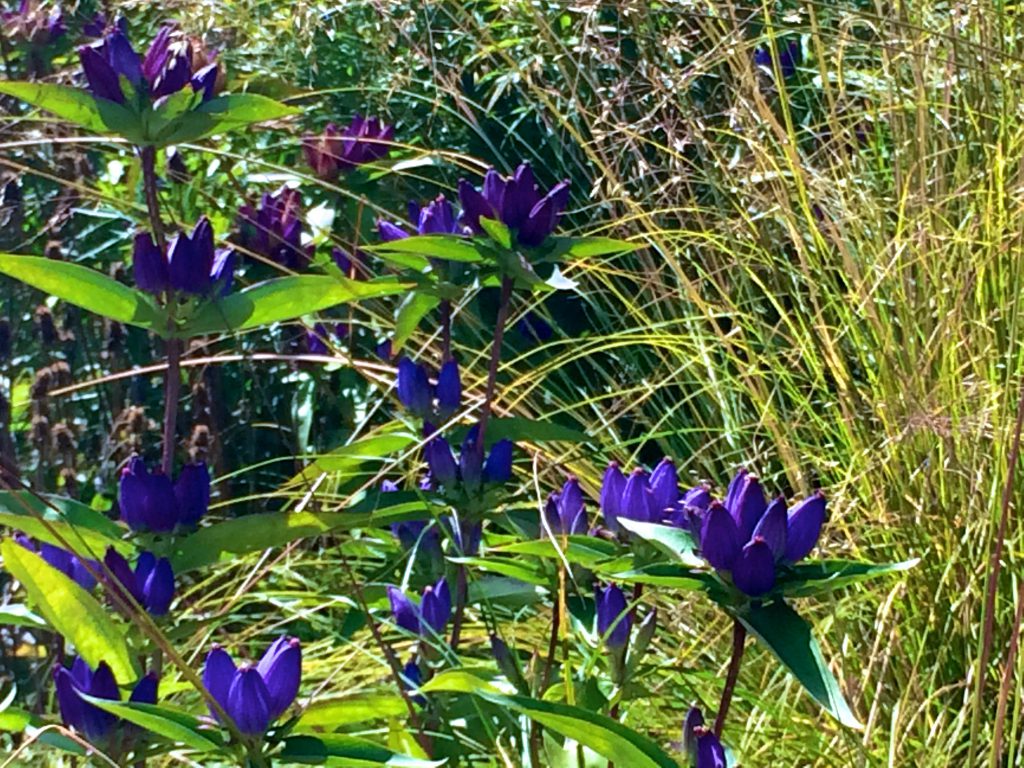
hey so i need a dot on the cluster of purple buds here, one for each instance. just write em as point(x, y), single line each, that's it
point(419, 396)
point(31, 24)
point(789, 56)
point(255, 696)
point(564, 511)
point(746, 536)
point(150, 502)
point(435, 218)
point(151, 584)
point(318, 336)
point(87, 718)
point(428, 618)
point(700, 744)
point(646, 498)
point(273, 229)
point(472, 468)
point(516, 202)
point(168, 67)
point(66, 562)
point(191, 265)
point(335, 150)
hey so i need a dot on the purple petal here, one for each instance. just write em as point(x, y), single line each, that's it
point(281, 669)
point(772, 527)
point(218, 675)
point(719, 539)
point(804, 527)
point(753, 573)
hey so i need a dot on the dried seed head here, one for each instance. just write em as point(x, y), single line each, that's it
point(45, 326)
point(40, 431)
point(69, 481)
point(61, 373)
point(42, 384)
point(63, 438)
point(54, 250)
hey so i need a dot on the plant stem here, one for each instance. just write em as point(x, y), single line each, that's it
point(492, 370)
point(461, 595)
point(172, 378)
point(739, 637)
point(446, 330)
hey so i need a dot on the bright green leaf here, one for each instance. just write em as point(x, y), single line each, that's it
point(348, 751)
point(358, 708)
point(70, 610)
point(172, 724)
point(674, 542)
point(497, 231)
point(415, 307)
point(448, 247)
point(76, 106)
point(822, 576)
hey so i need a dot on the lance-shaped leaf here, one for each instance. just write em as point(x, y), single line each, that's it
point(77, 106)
point(85, 288)
point(70, 610)
point(165, 721)
point(338, 749)
point(220, 115)
point(785, 633)
point(819, 577)
point(87, 532)
point(283, 298)
point(674, 542)
point(426, 247)
point(415, 307)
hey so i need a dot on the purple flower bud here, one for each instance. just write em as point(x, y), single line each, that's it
point(772, 527)
point(467, 537)
point(147, 501)
point(471, 460)
point(192, 493)
point(613, 619)
point(637, 501)
point(709, 750)
point(664, 487)
point(249, 702)
point(151, 584)
point(572, 514)
point(149, 265)
point(123, 58)
point(205, 81)
point(753, 573)
point(281, 670)
point(449, 389)
point(364, 141)
point(474, 205)
point(435, 607)
point(436, 218)
point(440, 461)
point(719, 539)
point(748, 505)
point(414, 389)
point(612, 488)
point(218, 673)
point(516, 202)
point(190, 259)
point(694, 720)
point(94, 722)
point(699, 497)
point(498, 467)
point(403, 611)
point(387, 231)
point(544, 216)
point(99, 74)
point(145, 691)
point(804, 527)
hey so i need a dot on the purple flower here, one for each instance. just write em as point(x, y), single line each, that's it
point(66, 562)
point(273, 230)
point(317, 337)
point(150, 502)
point(565, 513)
point(191, 266)
point(435, 218)
point(87, 718)
point(516, 202)
point(149, 265)
point(151, 584)
point(700, 744)
point(430, 616)
point(789, 56)
point(449, 389)
point(613, 618)
point(364, 141)
point(255, 696)
point(647, 498)
point(414, 389)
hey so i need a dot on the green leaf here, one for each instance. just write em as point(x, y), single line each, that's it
point(674, 542)
point(415, 307)
point(85, 288)
point(586, 551)
point(448, 247)
point(669, 575)
point(789, 638)
point(222, 115)
point(497, 231)
point(87, 531)
point(516, 428)
point(822, 576)
point(76, 106)
point(605, 736)
point(82, 542)
point(582, 247)
point(284, 298)
point(347, 459)
point(172, 724)
point(16, 615)
point(348, 751)
point(359, 708)
point(70, 610)
point(516, 569)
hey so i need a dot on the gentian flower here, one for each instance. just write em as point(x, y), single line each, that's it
point(613, 619)
point(417, 393)
point(151, 584)
point(700, 744)
point(472, 469)
point(516, 202)
point(564, 512)
point(747, 536)
point(364, 141)
point(789, 56)
point(166, 69)
point(66, 562)
point(646, 498)
point(317, 336)
point(435, 218)
point(87, 718)
point(273, 230)
point(255, 696)
point(351, 266)
point(151, 502)
point(192, 265)
point(430, 616)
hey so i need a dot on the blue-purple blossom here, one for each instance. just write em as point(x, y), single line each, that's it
point(565, 512)
point(151, 584)
point(66, 562)
point(87, 718)
point(150, 502)
point(418, 394)
point(473, 468)
point(428, 617)
point(166, 68)
point(273, 229)
point(613, 618)
point(435, 218)
point(363, 141)
point(254, 696)
point(700, 745)
point(516, 202)
point(789, 56)
point(191, 266)
point(643, 497)
point(746, 536)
